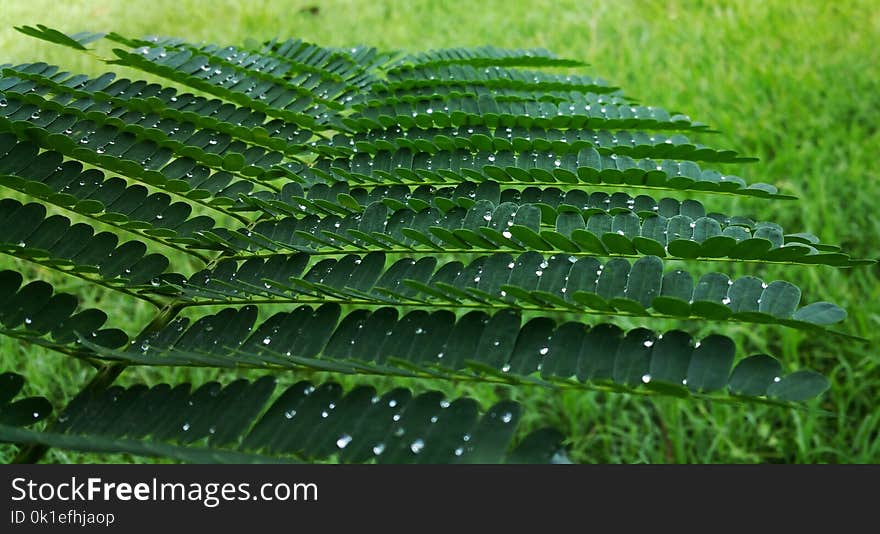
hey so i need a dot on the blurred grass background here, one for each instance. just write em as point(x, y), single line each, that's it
point(793, 83)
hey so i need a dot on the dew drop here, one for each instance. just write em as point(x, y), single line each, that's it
point(776, 379)
point(185, 427)
point(289, 414)
point(343, 441)
point(507, 417)
point(378, 449)
point(417, 446)
point(544, 351)
point(267, 340)
point(646, 378)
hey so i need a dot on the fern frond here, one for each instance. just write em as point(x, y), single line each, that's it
point(241, 423)
point(634, 144)
point(571, 170)
point(484, 56)
point(476, 347)
point(335, 224)
point(529, 281)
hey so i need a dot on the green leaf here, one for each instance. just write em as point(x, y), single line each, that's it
point(780, 299)
point(48, 34)
point(821, 313)
point(754, 375)
point(799, 386)
point(710, 364)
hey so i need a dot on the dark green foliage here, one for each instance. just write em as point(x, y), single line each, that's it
point(454, 215)
point(238, 423)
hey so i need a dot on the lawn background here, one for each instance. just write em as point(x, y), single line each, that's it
point(793, 83)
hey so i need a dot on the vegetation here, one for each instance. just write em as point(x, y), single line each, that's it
point(443, 220)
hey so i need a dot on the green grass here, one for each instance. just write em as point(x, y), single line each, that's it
point(793, 83)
